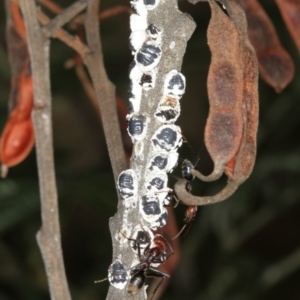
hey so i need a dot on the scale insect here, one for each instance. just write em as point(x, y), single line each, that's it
point(127, 183)
point(150, 208)
point(174, 84)
point(151, 4)
point(117, 275)
point(141, 238)
point(148, 56)
point(156, 182)
point(162, 161)
point(167, 137)
point(168, 110)
point(137, 126)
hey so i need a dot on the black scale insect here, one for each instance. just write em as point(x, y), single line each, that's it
point(167, 115)
point(117, 275)
point(141, 238)
point(148, 56)
point(150, 208)
point(168, 109)
point(167, 137)
point(151, 4)
point(127, 183)
point(163, 161)
point(137, 126)
point(174, 84)
point(162, 220)
point(156, 182)
point(147, 80)
point(153, 211)
point(153, 32)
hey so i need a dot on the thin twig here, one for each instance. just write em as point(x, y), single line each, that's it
point(108, 13)
point(114, 11)
point(73, 42)
point(64, 17)
point(48, 237)
point(55, 8)
point(87, 86)
point(78, 20)
point(105, 91)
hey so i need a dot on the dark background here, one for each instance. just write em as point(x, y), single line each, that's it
point(247, 247)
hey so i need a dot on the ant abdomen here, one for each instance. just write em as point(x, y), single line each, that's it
point(136, 282)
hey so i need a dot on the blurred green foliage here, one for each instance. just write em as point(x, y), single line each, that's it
point(246, 248)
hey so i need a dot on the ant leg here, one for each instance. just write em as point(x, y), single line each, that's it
point(156, 288)
point(156, 273)
point(178, 234)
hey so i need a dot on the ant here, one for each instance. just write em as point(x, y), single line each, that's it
point(154, 253)
point(191, 211)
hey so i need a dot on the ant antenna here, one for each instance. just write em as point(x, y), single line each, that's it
point(175, 177)
point(191, 149)
point(178, 234)
point(189, 145)
point(101, 280)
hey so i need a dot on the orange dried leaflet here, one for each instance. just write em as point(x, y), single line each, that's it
point(290, 11)
point(17, 138)
point(275, 64)
point(240, 166)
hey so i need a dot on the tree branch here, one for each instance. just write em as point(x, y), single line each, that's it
point(73, 42)
point(48, 237)
point(64, 17)
point(176, 28)
point(105, 90)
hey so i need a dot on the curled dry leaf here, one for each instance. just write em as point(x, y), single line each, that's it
point(275, 64)
point(240, 166)
point(290, 11)
point(224, 126)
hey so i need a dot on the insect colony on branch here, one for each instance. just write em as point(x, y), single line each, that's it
point(230, 134)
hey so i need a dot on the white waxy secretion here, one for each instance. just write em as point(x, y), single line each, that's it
point(138, 23)
point(136, 40)
point(139, 8)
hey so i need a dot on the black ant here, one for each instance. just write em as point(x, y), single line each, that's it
point(191, 211)
point(154, 253)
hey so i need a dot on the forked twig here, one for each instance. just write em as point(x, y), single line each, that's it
point(48, 237)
